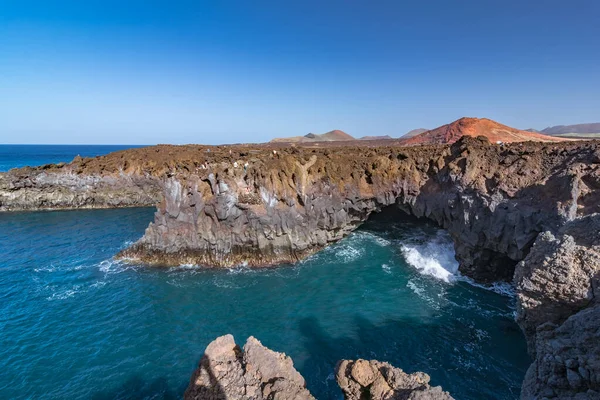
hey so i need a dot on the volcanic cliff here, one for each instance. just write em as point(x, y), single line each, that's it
point(527, 212)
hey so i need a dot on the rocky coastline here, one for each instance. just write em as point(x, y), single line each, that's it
point(522, 212)
point(255, 372)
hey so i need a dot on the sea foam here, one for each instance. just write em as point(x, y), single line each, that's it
point(434, 257)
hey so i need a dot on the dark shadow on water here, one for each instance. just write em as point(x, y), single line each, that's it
point(407, 344)
point(136, 389)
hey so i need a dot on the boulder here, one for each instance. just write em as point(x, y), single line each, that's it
point(362, 379)
point(254, 373)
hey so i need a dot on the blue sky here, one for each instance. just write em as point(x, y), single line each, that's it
point(144, 72)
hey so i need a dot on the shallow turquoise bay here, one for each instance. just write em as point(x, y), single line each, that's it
point(74, 324)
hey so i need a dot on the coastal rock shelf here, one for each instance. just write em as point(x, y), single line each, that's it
point(521, 212)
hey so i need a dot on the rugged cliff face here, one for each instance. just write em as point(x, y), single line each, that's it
point(265, 205)
point(558, 286)
point(64, 188)
point(276, 208)
point(270, 204)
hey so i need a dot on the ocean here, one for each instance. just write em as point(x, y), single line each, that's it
point(76, 324)
point(21, 155)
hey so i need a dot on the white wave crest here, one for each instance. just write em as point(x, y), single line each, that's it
point(434, 257)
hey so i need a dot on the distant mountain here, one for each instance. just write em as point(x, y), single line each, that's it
point(493, 130)
point(531, 130)
point(414, 132)
point(386, 137)
point(331, 136)
point(580, 130)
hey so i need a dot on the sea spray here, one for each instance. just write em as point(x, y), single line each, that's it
point(433, 257)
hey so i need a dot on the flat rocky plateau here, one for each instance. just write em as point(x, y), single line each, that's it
point(522, 212)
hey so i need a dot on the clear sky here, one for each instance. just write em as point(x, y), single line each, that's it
point(143, 72)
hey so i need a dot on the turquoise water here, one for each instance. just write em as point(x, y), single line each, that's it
point(74, 324)
point(20, 155)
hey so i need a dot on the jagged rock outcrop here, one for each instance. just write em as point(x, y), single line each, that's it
point(256, 373)
point(558, 286)
point(269, 204)
point(493, 200)
point(559, 277)
point(362, 379)
point(567, 362)
point(65, 188)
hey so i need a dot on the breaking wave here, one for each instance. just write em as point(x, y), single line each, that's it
point(434, 257)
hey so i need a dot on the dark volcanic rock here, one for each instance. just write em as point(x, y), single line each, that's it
point(362, 379)
point(560, 276)
point(40, 189)
point(256, 373)
point(270, 204)
point(567, 363)
point(493, 200)
point(558, 285)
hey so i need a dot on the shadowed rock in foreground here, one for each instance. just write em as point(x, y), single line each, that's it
point(362, 379)
point(567, 363)
point(558, 286)
point(257, 373)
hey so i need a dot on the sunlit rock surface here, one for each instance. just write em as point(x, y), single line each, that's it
point(254, 373)
point(362, 379)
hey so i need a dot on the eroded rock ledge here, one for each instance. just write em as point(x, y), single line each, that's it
point(277, 208)
point(258, 373)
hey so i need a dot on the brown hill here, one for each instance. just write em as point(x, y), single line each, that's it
point(331, 136)
point(493, 130)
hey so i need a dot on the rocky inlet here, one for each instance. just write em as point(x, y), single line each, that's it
point(521, 212)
